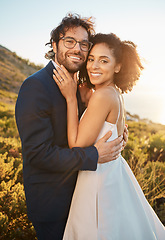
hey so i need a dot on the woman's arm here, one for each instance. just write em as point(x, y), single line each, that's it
point(83, 134)
point(91, 123)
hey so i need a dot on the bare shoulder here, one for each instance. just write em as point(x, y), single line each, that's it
point(104, 95)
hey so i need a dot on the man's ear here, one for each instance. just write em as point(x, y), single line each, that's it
point(54, 47)
point(117, 68)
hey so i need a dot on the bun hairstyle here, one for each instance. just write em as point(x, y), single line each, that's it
point(125, 53)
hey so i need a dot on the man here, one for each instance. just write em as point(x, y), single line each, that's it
point(49, 167)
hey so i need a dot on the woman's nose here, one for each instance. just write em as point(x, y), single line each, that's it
point(95, 64)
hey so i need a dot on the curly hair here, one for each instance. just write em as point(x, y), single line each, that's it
point(70, 21)
point(126, 54)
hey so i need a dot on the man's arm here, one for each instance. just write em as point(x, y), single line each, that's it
point(109, 151)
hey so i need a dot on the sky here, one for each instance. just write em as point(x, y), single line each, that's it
point(25, 27)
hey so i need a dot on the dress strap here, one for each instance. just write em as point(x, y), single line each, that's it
point(119, 110)
point(119, 103)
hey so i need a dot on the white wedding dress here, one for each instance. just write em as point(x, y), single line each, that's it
point(108, 204)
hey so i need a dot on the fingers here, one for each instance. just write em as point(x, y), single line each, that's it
point(58, 82)
point(109, 157)
point(126, 129)
point(116, 151)
point(63, 76)
point(65, 72)
point(59, 72)
point(116, 145)
point(106, 136)
point(124, 144)
point(60, 75)
point(125, 135)
point(117, 154)
point(58, 79)
point(75, 77)
point(118, 140)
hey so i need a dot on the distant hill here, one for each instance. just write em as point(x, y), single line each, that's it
point(13, 70)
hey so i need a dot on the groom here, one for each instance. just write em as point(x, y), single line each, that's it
point(49, 167)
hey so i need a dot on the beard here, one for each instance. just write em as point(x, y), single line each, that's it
point(71, 65)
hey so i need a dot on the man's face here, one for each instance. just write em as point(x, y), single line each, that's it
point(72, 59)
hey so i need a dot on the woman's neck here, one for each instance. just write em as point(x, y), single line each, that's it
point(104, 85)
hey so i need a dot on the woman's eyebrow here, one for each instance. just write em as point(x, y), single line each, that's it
point(90, 55)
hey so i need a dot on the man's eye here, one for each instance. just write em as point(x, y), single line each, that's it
point(84, 44)
point(69, 41)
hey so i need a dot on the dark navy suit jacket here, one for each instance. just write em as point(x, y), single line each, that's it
point(49, 167)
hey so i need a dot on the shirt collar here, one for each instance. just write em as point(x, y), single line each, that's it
point(55, 64)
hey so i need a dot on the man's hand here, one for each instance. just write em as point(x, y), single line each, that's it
point(125, 136)
point(109, 151)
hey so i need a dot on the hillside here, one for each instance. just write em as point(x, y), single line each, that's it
point(13, 70)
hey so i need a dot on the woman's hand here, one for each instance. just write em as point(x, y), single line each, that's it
point(66, 84)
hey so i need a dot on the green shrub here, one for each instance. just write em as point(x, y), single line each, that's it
point(143, 152)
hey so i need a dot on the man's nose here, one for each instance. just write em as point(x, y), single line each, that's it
point(77, 47)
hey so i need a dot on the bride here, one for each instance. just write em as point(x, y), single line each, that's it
point(107, 204)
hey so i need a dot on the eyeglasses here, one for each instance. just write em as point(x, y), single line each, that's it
point(70, 43)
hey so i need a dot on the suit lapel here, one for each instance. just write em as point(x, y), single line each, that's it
point(49, 68)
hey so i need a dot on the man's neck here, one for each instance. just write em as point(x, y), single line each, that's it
point(56, 66)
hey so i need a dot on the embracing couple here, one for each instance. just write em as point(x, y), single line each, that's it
point(77, 184)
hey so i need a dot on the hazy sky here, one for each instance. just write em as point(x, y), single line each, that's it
point(25, 27)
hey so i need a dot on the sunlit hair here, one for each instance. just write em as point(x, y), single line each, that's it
point(70, 21)
point(125, 53)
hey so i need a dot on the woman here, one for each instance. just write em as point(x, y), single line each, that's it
point(108, 203)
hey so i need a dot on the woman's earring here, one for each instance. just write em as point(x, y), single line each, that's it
point(118, 67)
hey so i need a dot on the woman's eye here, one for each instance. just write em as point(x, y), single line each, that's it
point(103, 61)
point(90, 59)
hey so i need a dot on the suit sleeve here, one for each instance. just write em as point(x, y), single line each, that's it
point(33, 108)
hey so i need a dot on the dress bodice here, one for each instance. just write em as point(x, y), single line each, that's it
point(106, 128)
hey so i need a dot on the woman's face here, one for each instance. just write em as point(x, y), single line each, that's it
point(101, 65)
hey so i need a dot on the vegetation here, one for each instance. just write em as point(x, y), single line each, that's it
point(145, 153)
point(14, 223)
